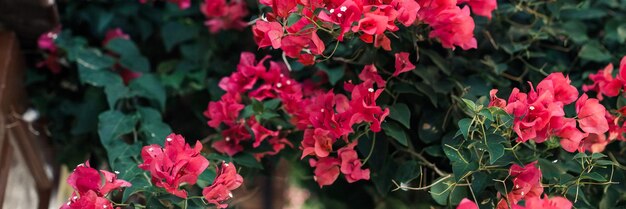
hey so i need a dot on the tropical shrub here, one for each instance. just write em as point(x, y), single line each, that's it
point(373, 104)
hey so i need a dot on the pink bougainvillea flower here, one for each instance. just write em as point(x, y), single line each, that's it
point(173, 164)
point(526, 182)
point(594, 143)
point(351, 164)
point(227, 179)
point(454, 27)
point(268, 34)
point(88, 200)
point(495, 101)
point(481, 7)
point(407, 11)
point(403, 64)
point(372, 24)
point(282, 8)
point(622, 70)
point(224, 111)
point(571, 138)
point(260, 132)
point(370, 72)
point(46, 43)
point(467, 204)
point(548, 203)
point(604, 83)
point(364, 107)
point(316, 142)
point(343, 15)
point(232, 137)
point(382, 41)
point(326, 170)
point(560, 87)
point(214, 8)
point(85, 179)
point(46, 40)
point(222, 16)
point(591, 115)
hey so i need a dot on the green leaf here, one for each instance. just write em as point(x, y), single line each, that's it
point(93, 59)
point(98, 78)
point(394, 130)
point(594, 176)
point(594, 51)
point(469, 104)
point(445, 193)
point(114, 92)
point(597, 155)
point(130, 56)
point(137, 180)
point(150, 87)
point(465, 125)
point(123, 47)
point(271, 104)
point(152, 126)
point(462, 168)
point(136, 63)
point(174, 33)
point(112, 124)
point(334, 74)
point(407, 171)
point(247, 160)
point(495, 147)
point(401, 113)
point(437, 60)
point(206, 178)
point(480, 181)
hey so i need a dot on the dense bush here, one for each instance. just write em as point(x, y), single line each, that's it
point(374, 104)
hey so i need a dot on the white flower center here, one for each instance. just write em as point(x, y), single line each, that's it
point(169, 139)
point(531, 107)
point(343, 8)
point(332, 11)
point(339, 15)
point(227, 139)
point(279, 85)
point(371, 90)
point(288, 82)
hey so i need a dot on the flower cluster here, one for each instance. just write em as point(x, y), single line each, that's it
point(371, 21)
point(126, 74)
point(224, 16)
point(90, 189)
point(325, 117)
point(46, 43)
point(272, 83)
point(174, 164)
point(526, 187)
point(605, 84)
point(178, 164)
point(539, 115)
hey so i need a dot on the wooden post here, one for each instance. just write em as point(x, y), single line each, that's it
point(13, 104)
